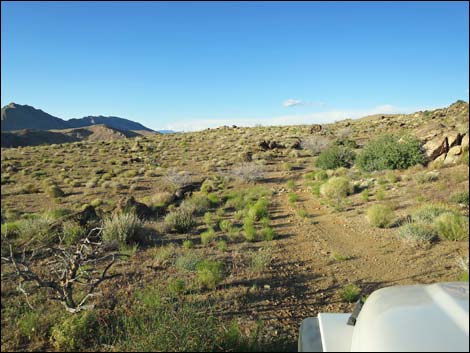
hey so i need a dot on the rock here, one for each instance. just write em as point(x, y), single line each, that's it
point(464, 142)
point(269, 145)
point(441, 158)
point(247, 156)
point(129, 204)
point(315, 128)
point(451, 159)
point(296, 145)
point(455, 151)
point(88, 214)
point(453, 138)
point(436, 147)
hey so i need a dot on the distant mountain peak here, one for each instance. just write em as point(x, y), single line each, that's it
point(18, 117)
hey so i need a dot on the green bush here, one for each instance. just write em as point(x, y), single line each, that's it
point(452, 226)
point(293, 197)
point(75, 333)
point(268, 233)
point(260, 260)
point(417, 232)
point(188, 244)
point(176, 287)
point(210, 273)
point(259, 209)
point(181, 220)
point(335, 157)
point(208, 236)
point(225, 225)
point(365, 195)
point(187, 262)
point(72, 232)
point(460, 198)
point(222, 245)
point(380, 216)
point(350, 293)
point(55, 192)
point(249, 231)
point(388, 152)
point(428, 213)
point(122, 227)
point(156, 323)
point(336, 189)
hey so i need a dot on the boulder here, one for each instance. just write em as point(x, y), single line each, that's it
point(453, 138)
point(464, 142)
point(451, 159)
point(454, 151)
point(435, 147)
point(441, 158)
point(315, 128)
point(129, 204)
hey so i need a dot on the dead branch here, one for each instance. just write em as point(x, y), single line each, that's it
point(67, 268)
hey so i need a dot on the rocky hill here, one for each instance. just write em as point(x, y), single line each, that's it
point(30, 137)
point(20, 117)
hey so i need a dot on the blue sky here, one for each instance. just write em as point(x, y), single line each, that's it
point(193, 65)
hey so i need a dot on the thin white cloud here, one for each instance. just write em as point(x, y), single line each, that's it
point(291, 102)
point(299, 119)
point(296, 102)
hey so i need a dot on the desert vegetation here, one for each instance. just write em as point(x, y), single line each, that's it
point(223, 239)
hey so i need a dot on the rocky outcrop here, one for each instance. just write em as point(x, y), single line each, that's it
point(315, 128)
point(436, 147)
point(269, 145)
point(446, 148)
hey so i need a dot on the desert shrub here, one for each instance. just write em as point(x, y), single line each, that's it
point(380, 216)
point(187, 262)
point(350, 293)
point(417, 233)
point(321, 175)
point(208, 236)
point(181, 220)
point(460, 198)
point(213, 199)
point(222, 245)
point(249, 230)
point(260, 260)
point(428, 213)
point(427, 177)
point(72, 232)
point(36, 229)
point(188, 244)
point(225, 225)
point(259, 209)
point(248, 172)
point(336, 189)
point(58, 213)
point(302, 212)
point(75, 333)
point(55, 192)
point(268, 233)
point(210, 273)
point(160, 200)
point(292, 197)
point(197, 204)
point(165, 254)
point(346, 142)
point(335, 157)
point(380, 194)
point(365, 195)
point(388, 152)
point(176, 287)
point(287, 166)
point(315, 144)
point(122, 227)
point(155, 321)
point(452, 226)
point(291, 184)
